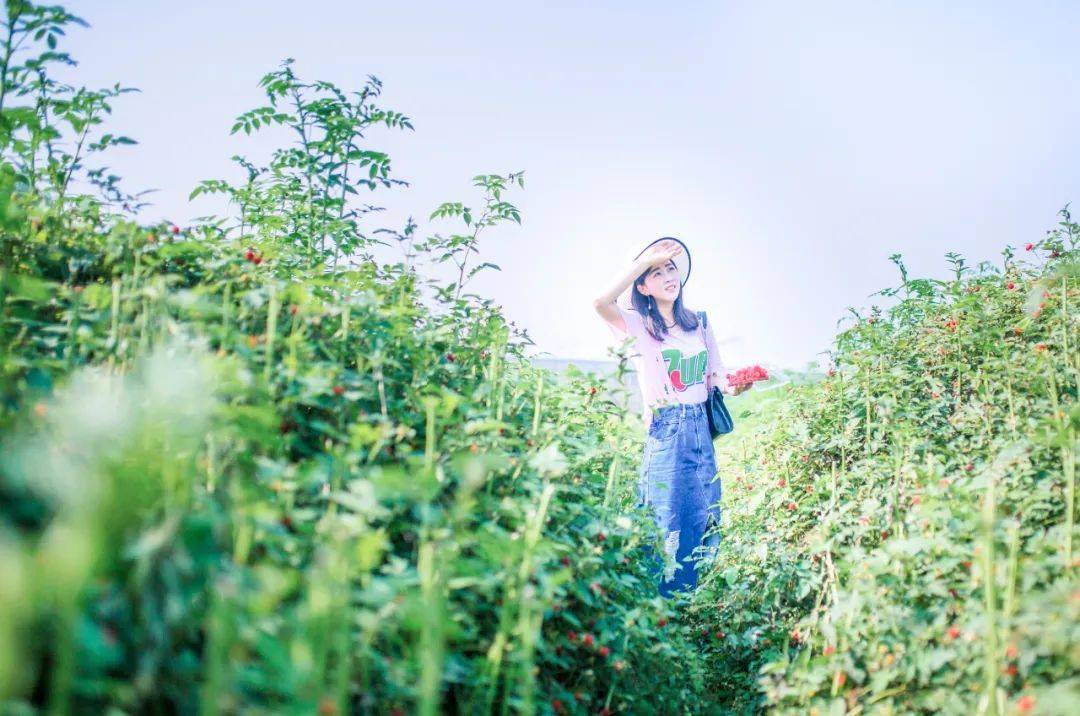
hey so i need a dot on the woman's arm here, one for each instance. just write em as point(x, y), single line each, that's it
point(605, 302)
point(717, 371)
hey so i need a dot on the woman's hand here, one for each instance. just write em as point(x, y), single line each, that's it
point(659, 253)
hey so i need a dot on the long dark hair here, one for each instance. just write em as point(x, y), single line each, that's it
point(650, 312)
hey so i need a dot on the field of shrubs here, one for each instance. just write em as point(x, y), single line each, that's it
point(246, 467)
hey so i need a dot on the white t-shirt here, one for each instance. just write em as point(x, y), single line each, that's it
point(671, 371)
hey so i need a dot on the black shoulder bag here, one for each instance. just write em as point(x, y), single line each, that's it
point(720, 421)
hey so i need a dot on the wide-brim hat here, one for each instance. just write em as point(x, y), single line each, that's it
point(681, 261)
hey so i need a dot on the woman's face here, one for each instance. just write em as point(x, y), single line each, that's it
point(662, 283)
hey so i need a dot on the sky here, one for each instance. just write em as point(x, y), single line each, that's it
point(792, 146)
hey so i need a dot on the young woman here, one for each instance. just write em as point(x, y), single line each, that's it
point(675, 358)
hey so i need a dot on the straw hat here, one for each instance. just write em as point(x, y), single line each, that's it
point(681, 261)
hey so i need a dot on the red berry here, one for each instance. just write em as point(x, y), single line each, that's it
point(566, 561)
point(781, 482)
point(257, 260)
point(662, 621)
point(604, 651)
point(450, 357)
point(1010, 285)
point(293, 310)
point(1025, 703)
point(592, 390)
point(572, 636)
point(829, 650)
point(176, 229)
point(600, 537)
point(792, 506)
point(719, 635)
point(587, 640)
point(338, 390)
point(556, 704)
point(969, 467)
point(953, 632)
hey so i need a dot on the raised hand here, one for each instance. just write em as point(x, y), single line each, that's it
point(660, 253)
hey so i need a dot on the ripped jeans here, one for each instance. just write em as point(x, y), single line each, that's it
point(676, 480)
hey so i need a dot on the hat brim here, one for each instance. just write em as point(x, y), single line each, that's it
point(682, 265)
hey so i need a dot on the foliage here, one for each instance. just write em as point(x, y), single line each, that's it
point(903, 536)
point(246, 468)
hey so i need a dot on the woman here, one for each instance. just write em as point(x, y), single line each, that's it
point(675, 359)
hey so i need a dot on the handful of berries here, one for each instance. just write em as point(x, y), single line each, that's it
point(745, 376)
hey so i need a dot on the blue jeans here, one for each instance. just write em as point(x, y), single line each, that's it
point(676, 480)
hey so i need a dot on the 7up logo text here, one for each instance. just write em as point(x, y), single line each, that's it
point(685, 372)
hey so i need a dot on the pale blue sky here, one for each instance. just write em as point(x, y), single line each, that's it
point(793, 146)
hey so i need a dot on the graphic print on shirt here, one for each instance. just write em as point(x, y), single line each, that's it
point(684, 372)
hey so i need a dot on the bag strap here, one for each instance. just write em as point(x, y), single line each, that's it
point(701, 330)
